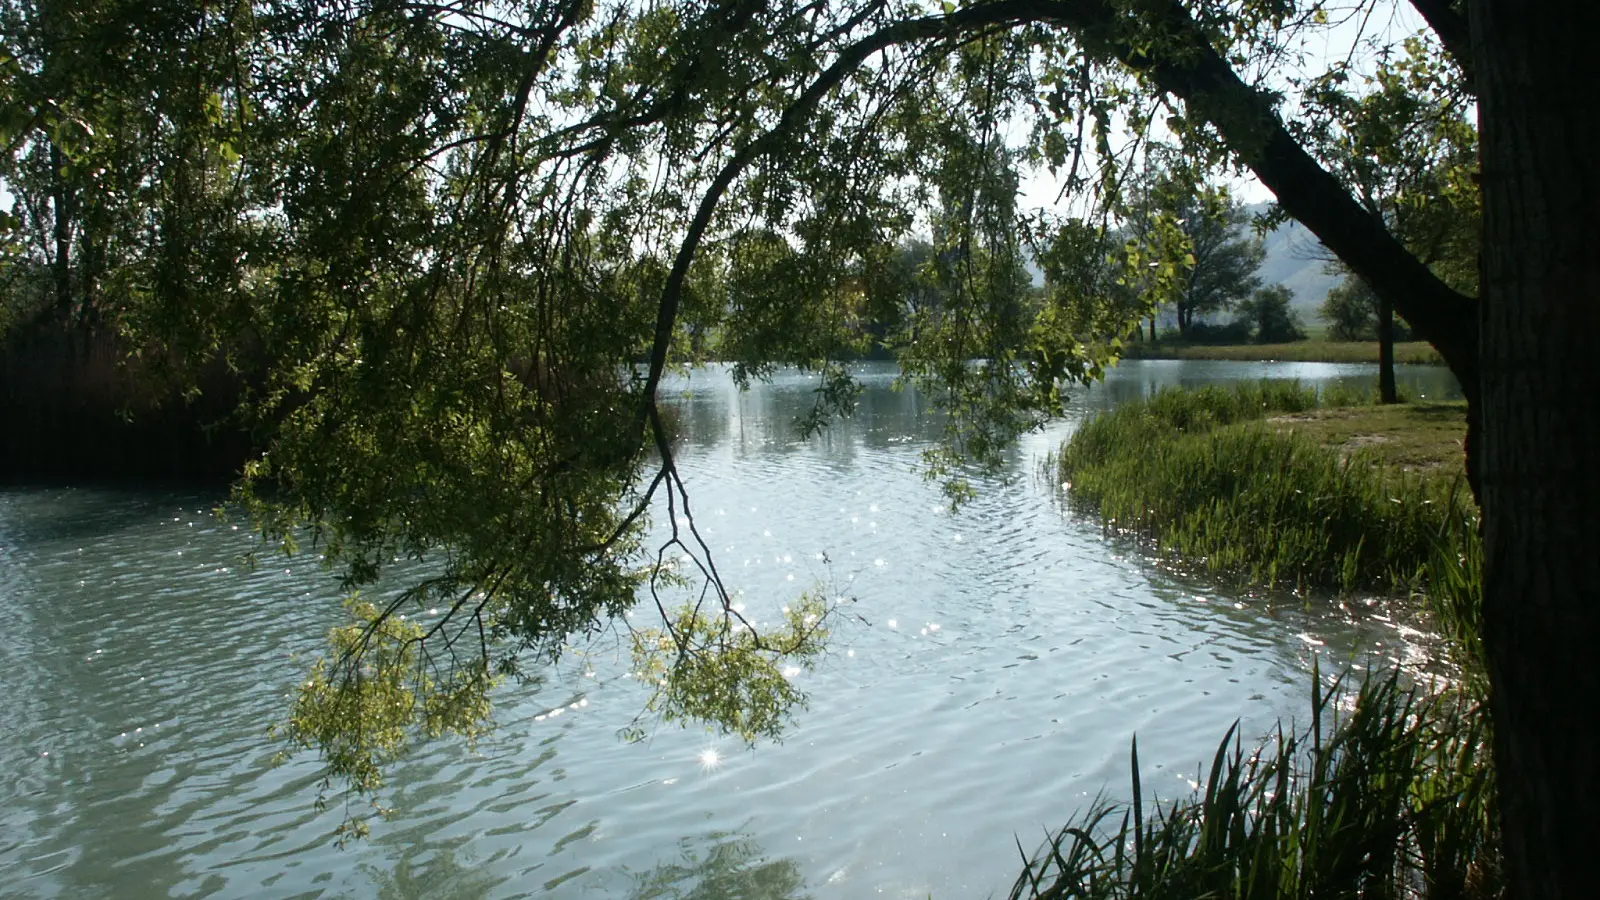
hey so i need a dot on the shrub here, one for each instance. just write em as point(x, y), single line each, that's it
point(1208, 333)
point(1270, 316)
point(1351, 311)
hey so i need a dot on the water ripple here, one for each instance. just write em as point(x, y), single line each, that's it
point(984, 683)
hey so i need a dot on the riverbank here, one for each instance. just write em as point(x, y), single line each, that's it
point(78, 407)
point(1387, 791)
point(1408, 352)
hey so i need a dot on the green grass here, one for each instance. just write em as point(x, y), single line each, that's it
point(1225, 481)
point(1408, 352)
point(1418, 437)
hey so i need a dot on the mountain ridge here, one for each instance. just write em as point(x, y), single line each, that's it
point(1298, 261)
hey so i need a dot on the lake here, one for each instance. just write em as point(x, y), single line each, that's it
point(981, 686)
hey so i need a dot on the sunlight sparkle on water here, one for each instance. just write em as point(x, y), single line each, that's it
point(710, 759)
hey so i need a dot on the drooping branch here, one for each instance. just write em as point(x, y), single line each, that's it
point(1182, 63)
point(793, 119)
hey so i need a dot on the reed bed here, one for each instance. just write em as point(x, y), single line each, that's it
point(1392, 799)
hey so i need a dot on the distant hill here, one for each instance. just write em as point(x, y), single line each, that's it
point(1296, 259)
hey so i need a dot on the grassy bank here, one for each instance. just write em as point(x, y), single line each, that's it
point(1418, 437)
point(1410, 352)
point(1244, 484)
point(1389, 791)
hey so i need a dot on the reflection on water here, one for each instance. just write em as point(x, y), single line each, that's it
point(721, 867)
point(430, 876)
point(986, 682)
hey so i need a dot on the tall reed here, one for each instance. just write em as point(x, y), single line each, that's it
point(1394, 798)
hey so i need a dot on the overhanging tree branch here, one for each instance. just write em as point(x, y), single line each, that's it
point(1186, 65)
point(1451, 27)
point(1189, 67)
point(793, 118)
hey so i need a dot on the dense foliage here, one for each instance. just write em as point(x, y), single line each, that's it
point(1271, 319)
point(1351, 311)
point(1208, 230)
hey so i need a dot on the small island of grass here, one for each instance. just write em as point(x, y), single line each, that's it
point(1275, 485)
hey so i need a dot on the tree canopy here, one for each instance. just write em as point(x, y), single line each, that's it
point(1351, 311)
point(1270, 316)
point(1200, 230)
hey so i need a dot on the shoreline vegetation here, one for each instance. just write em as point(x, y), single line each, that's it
point(81, 408)
point(1271, 484)
point(1405, 352)
point(1390, 790)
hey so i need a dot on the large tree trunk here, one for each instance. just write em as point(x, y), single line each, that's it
point(1540, 438)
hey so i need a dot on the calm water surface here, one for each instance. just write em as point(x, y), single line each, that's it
point(999, 662)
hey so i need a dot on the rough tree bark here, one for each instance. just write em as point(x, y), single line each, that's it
point(1540, 430)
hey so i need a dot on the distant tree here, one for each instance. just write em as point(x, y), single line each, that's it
point(1226, 257)
point(912, 277)
point(1270, 316)
point(1205, 231)
point(1351, 311)
point(1406, 147)
point(1354, 313)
